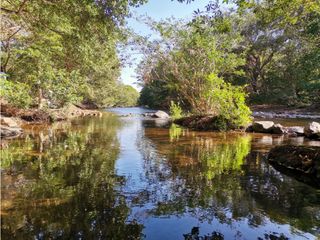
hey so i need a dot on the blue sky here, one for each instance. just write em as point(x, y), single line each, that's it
point(157, 9)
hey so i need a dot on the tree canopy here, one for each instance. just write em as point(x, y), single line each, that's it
point(271, 48)
point(64, 51)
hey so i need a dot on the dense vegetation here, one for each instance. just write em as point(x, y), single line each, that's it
point(270, 49)
point(63, 51)
point(67, 51)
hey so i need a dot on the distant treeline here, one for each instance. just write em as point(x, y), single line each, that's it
point(270, 48)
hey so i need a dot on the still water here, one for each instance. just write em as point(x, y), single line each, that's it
point(131, 178)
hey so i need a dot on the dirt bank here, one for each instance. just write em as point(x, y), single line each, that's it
point(46, 115)
point(14, 119)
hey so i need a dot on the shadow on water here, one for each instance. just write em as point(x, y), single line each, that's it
point(127, 178)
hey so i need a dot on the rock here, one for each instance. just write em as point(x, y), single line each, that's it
point(298, 131)
point(35, 115)
point(263, 126)
point(9, 132)
point(148, 114)
point(160, 114)
point(301, 162)
point(9, 122)
point(278, 129)
point(249, 128)
point(313, 130)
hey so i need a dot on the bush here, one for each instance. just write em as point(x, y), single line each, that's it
point(17, 94)
point(227, 101)
point(175, 110)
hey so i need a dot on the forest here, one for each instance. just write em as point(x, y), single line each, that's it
point(64, 51)
point(220, 62)
point(264, 51)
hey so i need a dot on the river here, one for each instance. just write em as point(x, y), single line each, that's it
point(132, 178)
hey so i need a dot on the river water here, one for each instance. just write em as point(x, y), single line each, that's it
point(132, 178)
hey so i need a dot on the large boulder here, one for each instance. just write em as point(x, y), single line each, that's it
point(299, 161)
point(10, 132)
point(263, 126)
point(296, 130)
point(313, 130)
point(160, 114)
point(278, 129)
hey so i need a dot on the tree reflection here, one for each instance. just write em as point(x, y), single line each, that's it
point(64, 184)
point(219, 177)
point(195, 235)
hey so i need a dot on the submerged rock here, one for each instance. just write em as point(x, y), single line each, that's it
point(263, 126)
point(301, 162)
point(313, 130)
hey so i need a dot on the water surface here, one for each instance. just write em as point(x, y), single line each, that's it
point(132, 178)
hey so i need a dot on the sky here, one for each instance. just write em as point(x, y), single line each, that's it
point(156, 9)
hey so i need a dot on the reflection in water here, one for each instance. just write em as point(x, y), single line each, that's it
point(125, 178)
point(63, 185)
point(219, 180)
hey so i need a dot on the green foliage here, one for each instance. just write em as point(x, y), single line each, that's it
point(270, 47)
point(192, 71)
point(175, 110)
point(127, 96)
point(66, 50)
point(282, 50)
point(17, 94)
point(227, 101)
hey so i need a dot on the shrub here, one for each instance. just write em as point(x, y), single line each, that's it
point(227, 101)
point(175, 110)
point(17, 94)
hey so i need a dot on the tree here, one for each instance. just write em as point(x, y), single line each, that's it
point(66, 50)
point(282, 54)
point(189, 66)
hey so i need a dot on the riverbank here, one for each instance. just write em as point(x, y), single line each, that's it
point(14, 119)
point(281, 111)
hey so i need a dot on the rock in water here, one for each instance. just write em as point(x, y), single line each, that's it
point(299, 161)
point(160, 114)
point(263, 126)
point(299, 131)
point(313, 130)
point(10, 132)
point(278, 129)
